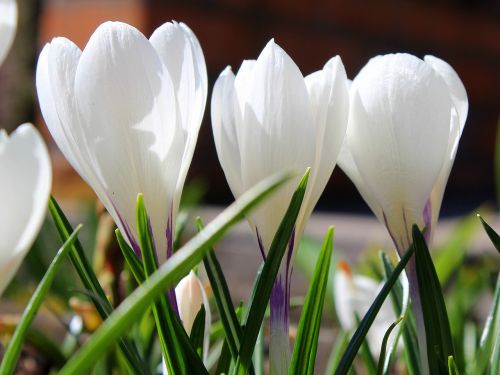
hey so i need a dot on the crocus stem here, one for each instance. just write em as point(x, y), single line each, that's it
point(411, 272)
point(279, 345)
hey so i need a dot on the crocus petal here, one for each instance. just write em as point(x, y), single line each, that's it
point(118, 111)
point(8, 24)
point(455, 85)
point(191, 295)
point(129, 124)
point(181, 53)
point(347, 164)
point(353, 295)
point(399, 147)
point(225, 114)
point(277, 133)
point(329, 98)
point(24, 192)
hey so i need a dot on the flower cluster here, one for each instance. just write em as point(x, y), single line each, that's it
point(126, 110)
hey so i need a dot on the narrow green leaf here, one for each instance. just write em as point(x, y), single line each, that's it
point(452, 366)
point(232, 328)
point(167, 275)
point(133, 262)
point(304, 350)
point(180, 357)
point(48, 348)
point(198, 332)
point(224, 362)
point(336, 354)
point(258, 353)
point(267, 277)
point(401, 301)
point(367, 356)
point(362, 330)
point(450, 256)
point(90, 282)
point(470, 346)
point(13, 351)
point(494, 237)
point(490, 338)
point(437, 326)
point(381, 360)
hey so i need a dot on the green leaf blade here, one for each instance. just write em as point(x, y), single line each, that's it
point(227, 313)
point(360, 334)
point(90, 282)
point(266, 279)
point(304, 351)
point(167, 275)
point(13, 351)
point(494, 237)
point(437, 326)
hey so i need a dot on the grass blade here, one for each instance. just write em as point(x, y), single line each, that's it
point(452, 366)
point(362, 330)
point(198, 332)
point(306, 341)
point(383, 350)
point(336, 354)
point(167, 275)
point(232, 328)
point(401, 302)
point(490, 338)
point(266, 280)
point(13, 351)
point(180, 356)
point(133, 262)
point(437, 326)
point(90, 282)
point(494, 237)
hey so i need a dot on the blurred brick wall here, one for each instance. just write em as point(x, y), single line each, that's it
point(466, 34)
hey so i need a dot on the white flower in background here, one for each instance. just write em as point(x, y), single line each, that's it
point(406, 117)
point(8, 25)
point(268, 118)
point(24, 192)
point(353, 295)
point(191, 296)
point(405, 120)
point(126, 112)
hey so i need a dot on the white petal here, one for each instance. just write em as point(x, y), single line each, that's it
point(181, 53)
point(127, 103)
point(398, 135)
point(8, 24)
point(225, 123)
point(26, 181)
point(278, 131)
point(353, 296)
point(191, 295)
point(55, 75)
point(346, 163)
point(458, 117)
point(455, 85)
point(329, 97)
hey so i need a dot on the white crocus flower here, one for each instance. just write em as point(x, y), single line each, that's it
point(269, 118)
point(191, 296)
point(406, 117)
point(126, 112)
point(353, 296)
point(405, 120)
point(8, 25)
point(24, 193)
